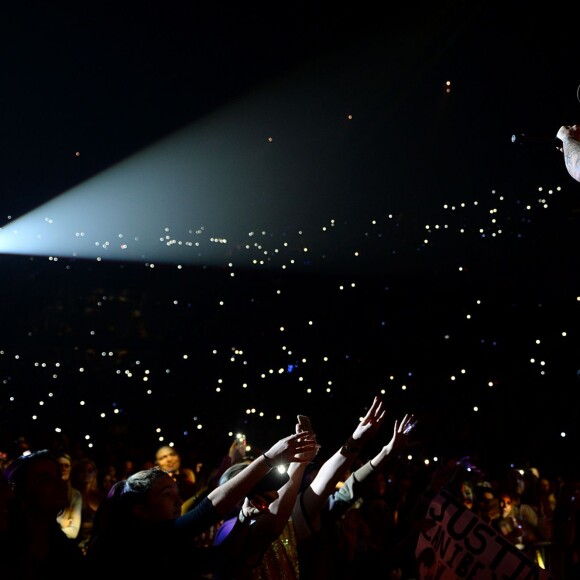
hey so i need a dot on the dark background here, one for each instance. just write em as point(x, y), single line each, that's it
point(109, 79)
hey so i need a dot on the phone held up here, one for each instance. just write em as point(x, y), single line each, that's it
point(304, 423)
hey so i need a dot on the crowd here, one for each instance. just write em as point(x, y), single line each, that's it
point(292, 510)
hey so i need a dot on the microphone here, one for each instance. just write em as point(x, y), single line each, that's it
point(525, 139)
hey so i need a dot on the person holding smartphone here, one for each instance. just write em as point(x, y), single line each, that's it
point(268, 549)
point(280, 533)
point(140, 526)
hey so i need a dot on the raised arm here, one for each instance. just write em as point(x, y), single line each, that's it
point(311, 501)
point(235, 453)
point(271, 522)
point(398, 442)
point(261, 520)
point(294, 448)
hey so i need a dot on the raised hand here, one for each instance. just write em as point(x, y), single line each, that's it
point(371, 422)
point(237, 449)
point(294, 448)
point(401, 432)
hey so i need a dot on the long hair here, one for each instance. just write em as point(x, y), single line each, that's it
point(114, 516)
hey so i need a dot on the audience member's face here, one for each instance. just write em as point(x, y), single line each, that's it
point(107, 482)
point(168, 459)
point(490, 505)
point(88, 472)
point(467, 494)
point(65, 467)
point(163, 501)
point(505, 503)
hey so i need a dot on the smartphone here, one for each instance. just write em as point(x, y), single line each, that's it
point(304, 423)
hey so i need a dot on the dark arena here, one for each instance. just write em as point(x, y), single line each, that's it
point(216, 218)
